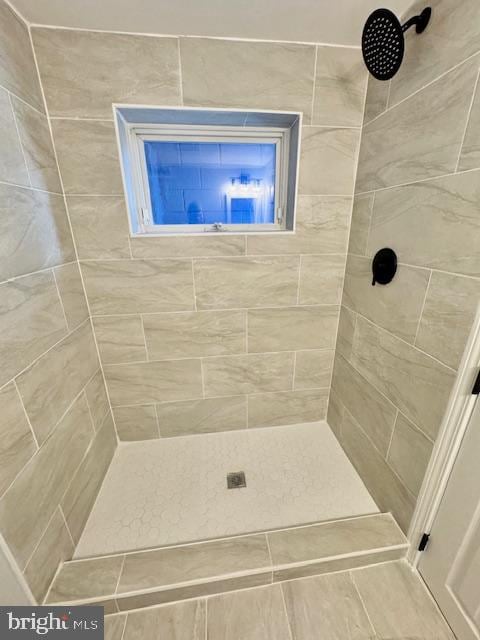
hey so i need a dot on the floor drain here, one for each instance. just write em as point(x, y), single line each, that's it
point(236, 480)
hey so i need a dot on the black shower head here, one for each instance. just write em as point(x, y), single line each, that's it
point(383, 42)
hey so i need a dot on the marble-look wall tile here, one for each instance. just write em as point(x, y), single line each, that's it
point(413, 141)
point(97, 399)
point(55, 547)
point(17, 444)
point(71, 364)
point(396, 306)
point(114, 626)
point(321, 226)
point(202, 416)
point(74, 64)
point(34, 231)
point(92, 578)
point(37, 147)
point(327, 161)
point(417, 384)
point(444, 211)
point(253, 373)
point(31, 321)
point(346, 330)
point(12, 162)
point(188, 246)
point(71, 291)
point(292, 328)
point(374, 413)
point(287, 407)
point(265, 75)
point(321, 279)
point(17, 66)
point(100, 226)
point(470, 156)
point(136, 423)
point(452, 36)
point(88, 156)
point(360, 225)
point(120, 339)
point(28, 505)
point(447, 317)
point(85, 485)
point(138, 286)
point(195, 334)
point(151, 382)
point(409, 454)
point(246, 282)
point(340, 83)
point(384, 486)
point(180, 621)
point(335, 414)
point(313, 369)
point(377, 98)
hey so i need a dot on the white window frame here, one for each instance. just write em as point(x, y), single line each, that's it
point(138, 134)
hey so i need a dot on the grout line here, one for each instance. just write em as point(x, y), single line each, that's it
point(120, 575)
point(391, 436)
point(469, 113)
point(352, 578)
point(298, 280)
point(180, 71)
point(40, 538)
point(66, 525)
point(285, 609)
point(158, 421)
point(17, 129)
point(423, 308)
point(14, 382)
point(34, 273)
point(61, 300)
point(144, 335)
point(370, 223)
point(314, 83)
point(294, 372)
point(29, 187)
point(194, 286)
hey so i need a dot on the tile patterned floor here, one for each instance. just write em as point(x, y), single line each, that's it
point(174, 490)
point(384, 602)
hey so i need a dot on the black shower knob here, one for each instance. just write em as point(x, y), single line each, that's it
point(384, 266)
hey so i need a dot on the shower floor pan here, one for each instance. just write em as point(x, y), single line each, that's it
point(173, 491)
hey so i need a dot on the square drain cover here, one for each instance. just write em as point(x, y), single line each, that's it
point(236, 480)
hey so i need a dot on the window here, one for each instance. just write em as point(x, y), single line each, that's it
point(186, 173)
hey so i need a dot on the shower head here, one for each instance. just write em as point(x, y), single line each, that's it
point(383, 42)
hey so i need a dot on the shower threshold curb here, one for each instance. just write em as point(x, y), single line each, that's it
point(139, 579)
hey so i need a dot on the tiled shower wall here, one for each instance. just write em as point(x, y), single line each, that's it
point(209, 333)
point(56, 431)
point(417, 191)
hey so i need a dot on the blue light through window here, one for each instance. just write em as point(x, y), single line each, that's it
point(206, 182)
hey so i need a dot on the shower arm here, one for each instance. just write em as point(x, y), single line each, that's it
point(419, 21)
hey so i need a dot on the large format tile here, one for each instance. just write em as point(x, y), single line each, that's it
point(257, 614)
point(340, 83)
point(136, 423)
point(193, 334)
point(138, 286)
point(31, 321)
point(120, 339)
point(321, 226)
point(114, 626)
point(86, 579)
point(246, 282)
point(150, 382)
point(346, 330)
point(253, 373)
point(71, 364)
point(12, 162)
point(34, 231)
point(377, 98)
point(37, 147)
point(17, 66)
point(470, 156)
point(326, 607)
point(444, 210)
point(85, 485)
point(100, 226)
point(292, 328)
point(55, 547)
point(28, 505)
point(327, 161)
point(202, 416)
point(452, 36)
point(409, 454)
point(384, 486)
point(396, 306)
point(70, 287)
point(186, 246)
point(360, 226)
point(371, 409)
point(417, 384)
point(88, 157)
point(74, 65)
point(17, 445)
point(287, 407)
point(97, 399)
point(447, 317)
point(398, 604)
point(321, 279)
point(198, 562)
point(411, 141)
point(267, 75)
point(313, 369)
point(181, 621)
